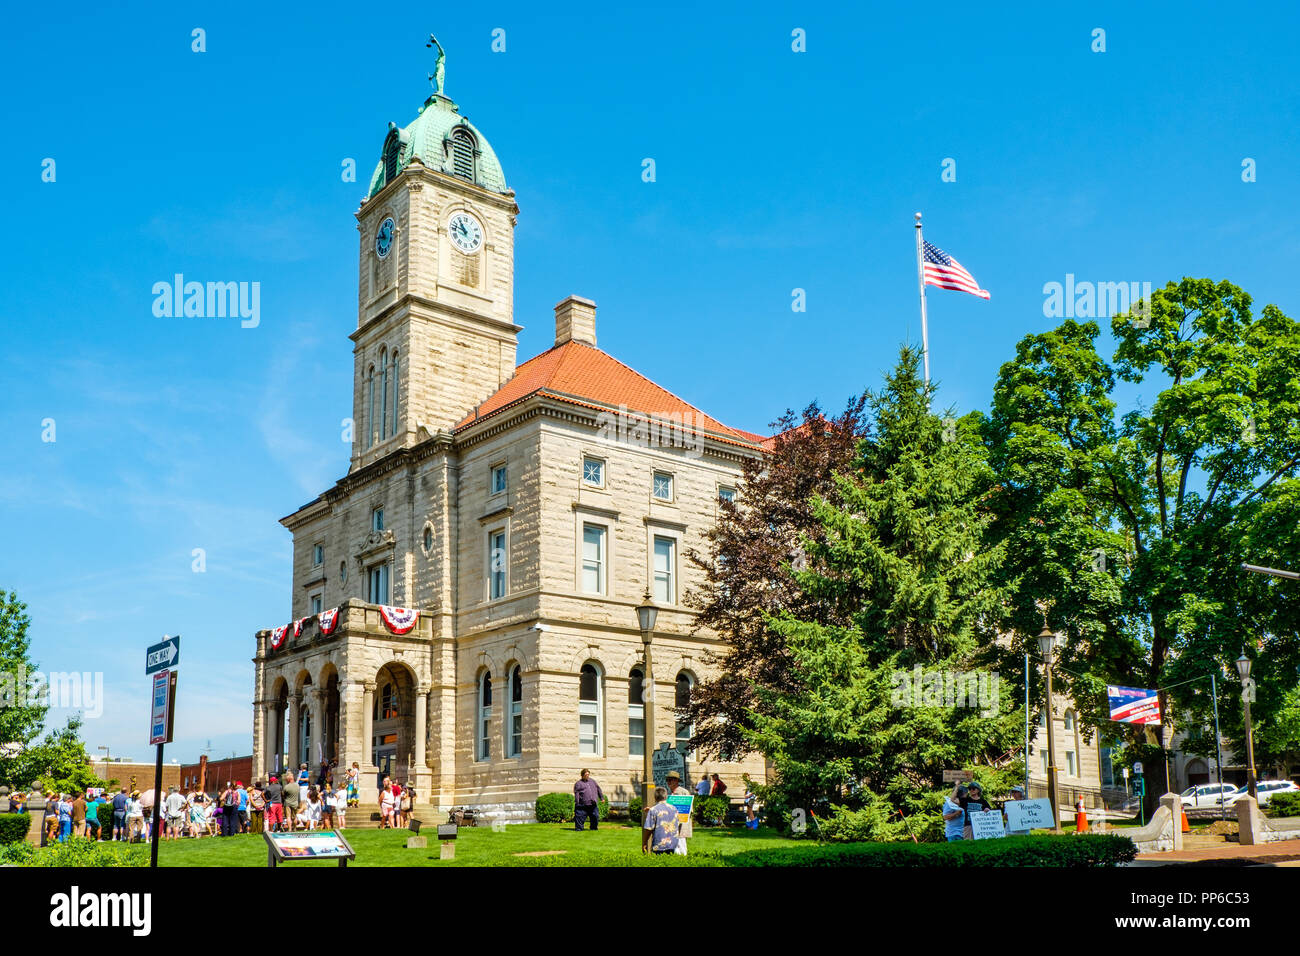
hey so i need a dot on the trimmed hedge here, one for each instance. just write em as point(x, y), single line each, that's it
point(558, 807)
point(622, 859)
point(14, 827)
point(1088, 850)
point(104, 813)
point(78, 851)
point(1285, 804)
point(711, 811)
point(634, 810)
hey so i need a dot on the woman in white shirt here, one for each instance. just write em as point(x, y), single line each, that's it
point(340, 805)
point(135, 817)
point(309, 815)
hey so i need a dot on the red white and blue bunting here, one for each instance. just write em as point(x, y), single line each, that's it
point(277, 636)
point(329, 620)
point(297, 625)
point(399, 619)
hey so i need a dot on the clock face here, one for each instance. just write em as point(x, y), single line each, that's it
point(465, 232)
point(384, 238)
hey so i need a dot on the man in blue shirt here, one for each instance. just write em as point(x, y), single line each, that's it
point(120, 801)
point(586, 799)
point(659, 833)
point(954, 813)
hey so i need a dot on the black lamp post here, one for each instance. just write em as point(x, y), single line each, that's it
point(646, 613)
point(1243, 668)
point(1046, 641)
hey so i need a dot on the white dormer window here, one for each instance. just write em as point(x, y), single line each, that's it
point(593, 472)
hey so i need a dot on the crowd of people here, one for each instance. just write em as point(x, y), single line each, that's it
point(965, 799)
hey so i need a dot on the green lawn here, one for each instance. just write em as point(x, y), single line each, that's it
point(475, 846)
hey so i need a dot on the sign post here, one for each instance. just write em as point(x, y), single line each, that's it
point(160, 661)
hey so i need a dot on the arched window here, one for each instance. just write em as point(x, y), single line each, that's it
point(392, 156)
point(682, 700)
point(484, 716)
point(383, 413)
point(590, 731)
point(515, 725)
point(370, 414)
point(386, 703)
point(636, 713)
point(462, 153)
point(1069, 720)
point(395, 393)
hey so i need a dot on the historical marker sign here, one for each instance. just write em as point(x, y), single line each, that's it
point(664, 759)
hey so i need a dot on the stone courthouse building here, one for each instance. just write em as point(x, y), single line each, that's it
point(463, 600)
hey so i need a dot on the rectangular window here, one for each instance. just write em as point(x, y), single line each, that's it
point(498, 479)
point(318, 555)
point(497, 564)
point(665, 566)
point(726, 494)
point(1043, 755)
point(636, 730)
point(377, 520)
point(588, 730)
point(593, 472)
point(593, 559)
point(317, 604)
point(378, 584)
point(663, 486)
point(1070, 768)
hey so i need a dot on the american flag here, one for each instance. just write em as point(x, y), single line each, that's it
point(946, 272)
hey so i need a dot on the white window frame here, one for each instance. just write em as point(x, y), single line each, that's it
point(498, 469)
point(635, 712)
point(602, 560)
point(483, 718)
point(667, 477)
point(316, 603)
point(514, 742)
point(595, 709)
point(1071, 764)
point(317, 554)
point(493, 593)
point(727, 493)
point(385, 575)
point(597, 461)
point(670, 598)
point(377, 518)
point(677, 724)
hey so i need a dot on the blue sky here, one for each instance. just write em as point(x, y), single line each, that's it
point(775, 170)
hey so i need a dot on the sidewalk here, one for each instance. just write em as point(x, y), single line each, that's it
point(1264, 853)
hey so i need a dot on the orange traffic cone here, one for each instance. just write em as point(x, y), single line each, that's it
point(1186, 828)
point(1081, 822)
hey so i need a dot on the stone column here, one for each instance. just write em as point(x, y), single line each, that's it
point(259, 738)
point(1175, 805)
point(368, 729)
point(292, 759)
point(316, 743)
point(421, 730)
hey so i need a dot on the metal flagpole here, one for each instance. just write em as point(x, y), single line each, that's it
point(1026, 726)
point(920, 281)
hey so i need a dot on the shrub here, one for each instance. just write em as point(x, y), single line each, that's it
point(14, 827)
point(1283, 805)
point(558, 807)
point(872, 823)
point(634, 810)
point(711, 811)
point(104, 813)
point(78, 851)
point(621, 859)
point(1054, 851)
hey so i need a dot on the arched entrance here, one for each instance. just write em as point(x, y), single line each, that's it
point(392, 744)
point(329, 716)
point(277, 734)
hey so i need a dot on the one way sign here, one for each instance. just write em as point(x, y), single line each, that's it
point(164, 655)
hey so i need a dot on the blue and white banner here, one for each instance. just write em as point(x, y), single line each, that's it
point(1133, 705)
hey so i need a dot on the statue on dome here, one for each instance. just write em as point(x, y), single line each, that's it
point(436, 77)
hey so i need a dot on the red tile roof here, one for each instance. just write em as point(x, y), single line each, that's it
point(582, 374)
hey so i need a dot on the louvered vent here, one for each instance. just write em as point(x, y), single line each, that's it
point(462, 154)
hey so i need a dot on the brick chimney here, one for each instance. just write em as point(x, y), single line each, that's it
point(575, 320)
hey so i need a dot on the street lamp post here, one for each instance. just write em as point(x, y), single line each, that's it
point(1243, 668)
point(1046, 640)
point(646, 613)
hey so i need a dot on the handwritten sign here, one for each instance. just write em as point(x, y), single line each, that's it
point(1023, 815)
point(986, 824)
point(958, 776)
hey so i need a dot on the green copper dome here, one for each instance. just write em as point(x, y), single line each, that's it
point(441, 139)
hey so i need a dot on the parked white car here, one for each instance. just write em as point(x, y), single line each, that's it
point(1266, 789)
point(1208, 794)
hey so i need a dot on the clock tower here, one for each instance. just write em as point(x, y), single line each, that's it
point(435, 329)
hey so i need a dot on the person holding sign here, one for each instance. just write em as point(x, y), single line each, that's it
point(954, 813)
point(659, 833)
point(975, 803)
point(685, 828)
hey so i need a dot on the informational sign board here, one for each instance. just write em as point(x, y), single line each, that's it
point(164, 656)
point(958, 776)
point(664, 759)
point(307, 845)
point(987, 825)
point(682, 803)
point(160, 722)
point(1137, 767)
point(1029, 814)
